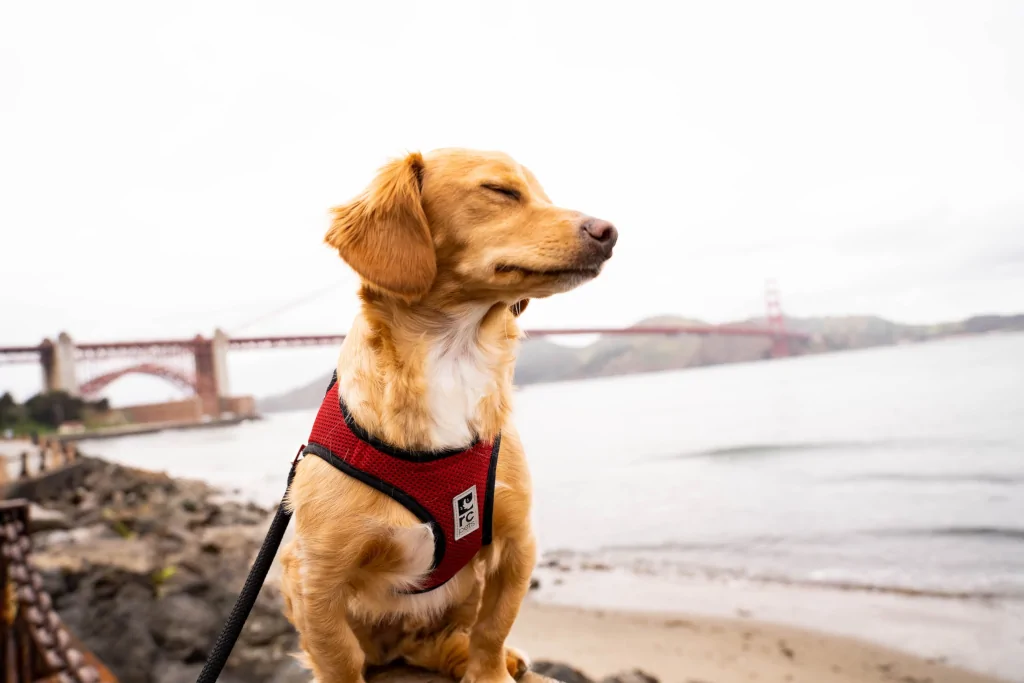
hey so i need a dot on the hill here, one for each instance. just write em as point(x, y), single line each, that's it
point(541, 360)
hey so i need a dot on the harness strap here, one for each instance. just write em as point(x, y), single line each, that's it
point(250, 591)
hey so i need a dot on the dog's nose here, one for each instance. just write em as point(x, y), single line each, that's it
point(602, 232)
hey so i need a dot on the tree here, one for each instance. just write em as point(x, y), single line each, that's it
point(10, 412)
point(47, 409)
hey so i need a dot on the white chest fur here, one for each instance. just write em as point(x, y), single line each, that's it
point(459, 374)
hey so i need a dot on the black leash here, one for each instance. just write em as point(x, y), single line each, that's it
point(251, 590)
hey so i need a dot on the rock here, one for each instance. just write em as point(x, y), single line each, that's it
point(634, 676)
point(44, 519)
point(107, 610)
point(71, 537)
point(560, 672)
point(184, 627)
point(402, 674)
point(131, 555)
point(173, 672)
point(534, 583)
point(263, 629)
point(292, 672)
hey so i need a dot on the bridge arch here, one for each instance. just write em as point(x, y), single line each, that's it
point(94, 386)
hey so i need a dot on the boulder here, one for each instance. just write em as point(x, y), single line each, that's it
point(184, 626)
point(634, 676)
point(560, 672)
point(43, 519)
point(108, 611)
point(402, 674)
point(175, 672)
point(291, 672)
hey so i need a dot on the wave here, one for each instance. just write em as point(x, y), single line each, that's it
point(761, 449)
point(953, 478)
point(564, 560)
point(785, 448)
point(826, 539)
point(991, 532)
point(689, 546)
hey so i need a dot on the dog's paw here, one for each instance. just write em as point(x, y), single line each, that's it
point(517, 662)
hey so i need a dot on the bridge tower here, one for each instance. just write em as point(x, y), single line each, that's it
point(776, 322)
point(211, 359)
point(58, 361)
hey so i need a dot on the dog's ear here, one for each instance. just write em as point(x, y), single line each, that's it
point(518, 307)
point(383, 233)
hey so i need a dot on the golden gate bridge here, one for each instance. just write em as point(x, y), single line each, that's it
point(198, 365)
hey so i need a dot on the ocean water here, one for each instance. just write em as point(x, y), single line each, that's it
point(899, 468)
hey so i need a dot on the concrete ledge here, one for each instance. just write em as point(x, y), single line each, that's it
point(50, 484)
point(403, 674)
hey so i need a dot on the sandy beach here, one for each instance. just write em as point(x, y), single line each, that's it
point(717, 631)
point(699, 649)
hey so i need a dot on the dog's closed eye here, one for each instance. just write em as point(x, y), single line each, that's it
point(509, 192)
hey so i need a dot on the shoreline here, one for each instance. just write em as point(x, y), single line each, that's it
point(154, 428)
point(978, 640)
point(565, 560)
point(706, 649)
point(129, 430)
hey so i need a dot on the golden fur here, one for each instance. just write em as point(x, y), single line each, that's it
point(450, 247)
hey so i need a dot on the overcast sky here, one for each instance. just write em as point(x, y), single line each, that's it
point(167, 167)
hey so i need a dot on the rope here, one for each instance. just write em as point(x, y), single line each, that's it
point(250, 591)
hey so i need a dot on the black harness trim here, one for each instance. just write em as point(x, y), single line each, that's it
point(492, 473)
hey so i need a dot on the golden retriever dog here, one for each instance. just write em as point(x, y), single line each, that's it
point(450, 247)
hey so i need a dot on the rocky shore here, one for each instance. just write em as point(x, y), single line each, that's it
point(144, 568)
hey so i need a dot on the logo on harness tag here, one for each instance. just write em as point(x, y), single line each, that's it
point(467, 515)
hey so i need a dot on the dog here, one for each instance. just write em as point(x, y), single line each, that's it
point(450, 248)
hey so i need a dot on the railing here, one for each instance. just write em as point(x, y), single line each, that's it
point(35, 645)
point(51, 455)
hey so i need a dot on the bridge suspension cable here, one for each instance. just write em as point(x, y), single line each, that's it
point(291, 305)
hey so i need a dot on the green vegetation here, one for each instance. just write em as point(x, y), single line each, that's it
point(45, 412)
point(160, 577)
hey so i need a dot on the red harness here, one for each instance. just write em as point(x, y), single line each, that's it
point(443, 489)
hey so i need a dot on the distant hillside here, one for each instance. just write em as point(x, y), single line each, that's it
point(308, 396)
point(544, 361)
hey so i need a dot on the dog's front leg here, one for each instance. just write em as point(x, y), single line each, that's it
point(334, 651)
point(504, 591)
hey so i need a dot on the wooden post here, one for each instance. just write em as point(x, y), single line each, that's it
point(5, 625)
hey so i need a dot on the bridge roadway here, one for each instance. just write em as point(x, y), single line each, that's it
point(670, 330)
point(158, 347)
point(207, 375)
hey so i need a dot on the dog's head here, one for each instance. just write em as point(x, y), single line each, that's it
point(466, 226)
